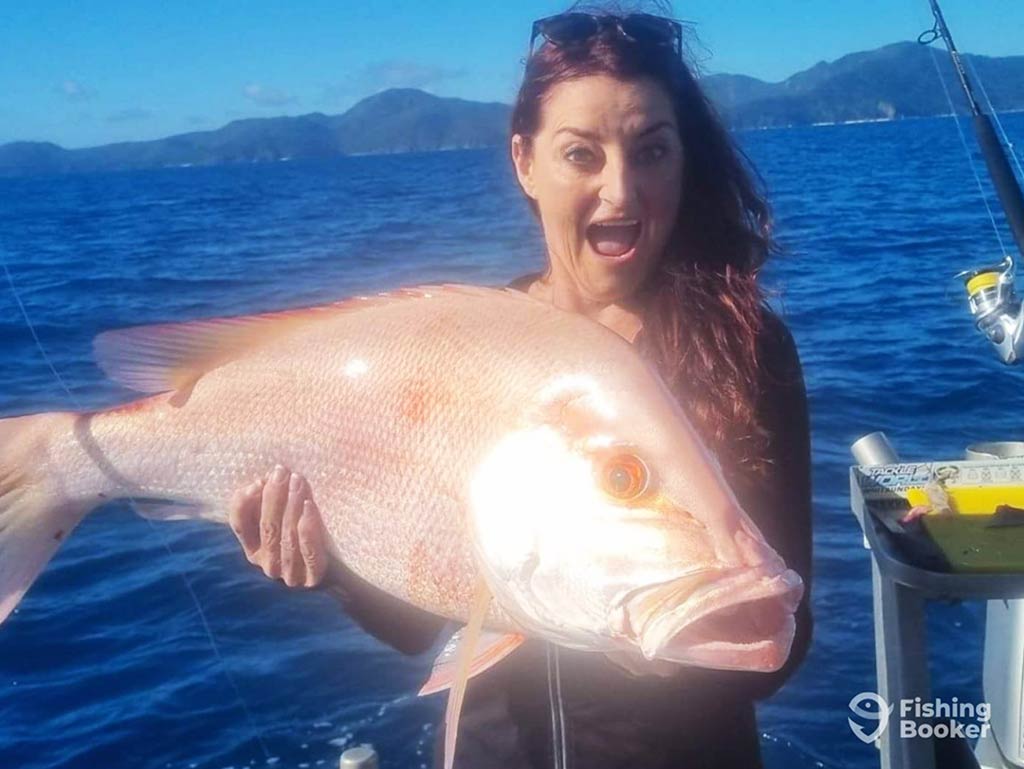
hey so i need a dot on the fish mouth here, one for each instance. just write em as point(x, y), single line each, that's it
point(740, 622)
point(615, 239)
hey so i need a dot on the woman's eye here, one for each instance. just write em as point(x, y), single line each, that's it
point(579, 155)
point(652, 154)
point(624, 477)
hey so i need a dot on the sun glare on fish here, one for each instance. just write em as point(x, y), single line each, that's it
point(532, 486)
point(527, 474)
point(554, 547)
point(356, 367)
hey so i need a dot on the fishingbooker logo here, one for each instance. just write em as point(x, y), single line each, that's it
point(873, 707)
point(920, 718)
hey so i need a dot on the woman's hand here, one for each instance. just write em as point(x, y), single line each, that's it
point(280, 528)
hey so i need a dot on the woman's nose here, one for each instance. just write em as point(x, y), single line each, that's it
point(618, 185)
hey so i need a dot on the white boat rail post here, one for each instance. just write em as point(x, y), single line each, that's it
point(902, 584)
point(901, 665)
point(901, 646)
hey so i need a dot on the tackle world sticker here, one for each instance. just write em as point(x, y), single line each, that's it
point(919, 718)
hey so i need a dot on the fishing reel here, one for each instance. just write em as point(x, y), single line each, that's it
point(996, 308)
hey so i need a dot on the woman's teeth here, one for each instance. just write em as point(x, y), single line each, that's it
point(614, 238)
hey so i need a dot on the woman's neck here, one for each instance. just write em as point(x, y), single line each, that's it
point(621, 317)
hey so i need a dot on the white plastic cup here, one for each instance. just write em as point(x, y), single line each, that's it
point(995, 450)
point(361, 757)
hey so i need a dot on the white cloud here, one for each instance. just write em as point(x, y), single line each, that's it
point(74, 90)
point(267, 96)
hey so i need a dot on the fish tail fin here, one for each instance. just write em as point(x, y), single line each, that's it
point(34, 515)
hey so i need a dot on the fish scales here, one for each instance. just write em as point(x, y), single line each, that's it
point(386, 410)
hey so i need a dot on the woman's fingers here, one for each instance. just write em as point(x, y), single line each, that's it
point(293, 568)
point(280, 528)
point(312, 544)
point(275, 497)
point(244, 518)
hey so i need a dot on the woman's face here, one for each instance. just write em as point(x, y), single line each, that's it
point(605, 168)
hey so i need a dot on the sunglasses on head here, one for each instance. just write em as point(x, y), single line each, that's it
point(644, 28)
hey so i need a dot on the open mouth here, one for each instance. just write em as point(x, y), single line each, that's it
point(615, 239)
point(742, 623)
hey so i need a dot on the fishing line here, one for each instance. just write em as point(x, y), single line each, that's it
point(813, 759)
point(163, 540)
point(32, 329)
point(558, 736)
point(967, 151)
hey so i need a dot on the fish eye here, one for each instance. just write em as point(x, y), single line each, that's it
point(624, 477)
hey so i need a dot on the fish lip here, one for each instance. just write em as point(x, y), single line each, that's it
point(656, 632)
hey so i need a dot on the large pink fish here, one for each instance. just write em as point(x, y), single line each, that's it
point(474, 452)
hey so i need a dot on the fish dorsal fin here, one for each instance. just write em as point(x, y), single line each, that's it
point(172, 356)
point(491, 648)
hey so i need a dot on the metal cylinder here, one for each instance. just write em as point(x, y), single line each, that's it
point(874, 449)
point(995, 450)
point(361, 757)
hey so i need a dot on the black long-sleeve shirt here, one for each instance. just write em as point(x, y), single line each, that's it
point(695, 718)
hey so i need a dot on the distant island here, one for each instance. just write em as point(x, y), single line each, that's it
point(890, 83)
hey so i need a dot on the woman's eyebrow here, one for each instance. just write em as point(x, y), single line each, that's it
point(652, 129)
point(578, 132)
point(594, 137)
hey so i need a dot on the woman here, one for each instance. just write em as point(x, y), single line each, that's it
point(654, 229)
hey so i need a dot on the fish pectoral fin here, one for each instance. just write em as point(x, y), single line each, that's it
point(491, 648)
point(463, 655)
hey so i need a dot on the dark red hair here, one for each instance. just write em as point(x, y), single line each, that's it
point(706, 308)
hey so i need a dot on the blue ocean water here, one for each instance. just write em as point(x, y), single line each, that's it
point(108, 661)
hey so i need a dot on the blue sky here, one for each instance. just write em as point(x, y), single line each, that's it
point(81, 74)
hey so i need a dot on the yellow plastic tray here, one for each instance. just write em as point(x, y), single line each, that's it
point(973, 500)
point(970, 544)
point(966, 539)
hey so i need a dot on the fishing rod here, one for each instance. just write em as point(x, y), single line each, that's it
point(993, 302)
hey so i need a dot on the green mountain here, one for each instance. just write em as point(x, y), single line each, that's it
point(896, 81)
point(398, 120)
point(407, 120)
point(893, 82)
